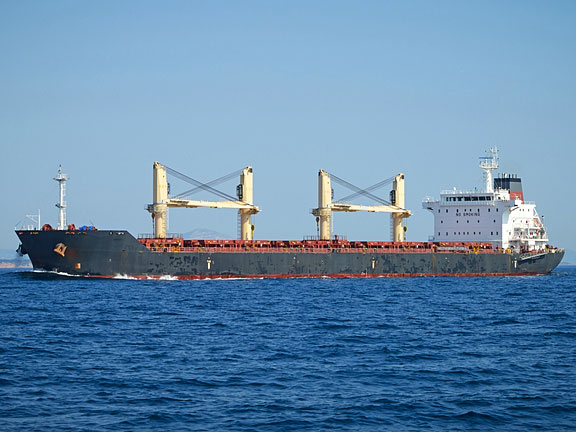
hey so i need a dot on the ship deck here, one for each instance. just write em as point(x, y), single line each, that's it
point(178, 244)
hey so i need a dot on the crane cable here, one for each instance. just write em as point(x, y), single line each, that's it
point(358, 190)
point(200, 184)
point(368, 189)
point(211, 183)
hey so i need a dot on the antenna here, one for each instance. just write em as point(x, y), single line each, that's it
point(489, 163)
point(61, 179)
point(35, 219)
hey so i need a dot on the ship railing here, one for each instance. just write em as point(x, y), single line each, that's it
point(300, 250)
point(459, 192)
point(528, 237)
point(152, 236)
point(335, 237)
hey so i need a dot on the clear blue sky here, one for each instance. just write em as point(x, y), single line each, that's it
point(361, 89)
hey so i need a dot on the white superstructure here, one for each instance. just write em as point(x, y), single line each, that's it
point(498, 214)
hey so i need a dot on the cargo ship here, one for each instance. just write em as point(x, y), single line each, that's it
point(494, 232)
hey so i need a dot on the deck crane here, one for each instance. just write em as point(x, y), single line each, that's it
point(161, 202)
point(326, 206)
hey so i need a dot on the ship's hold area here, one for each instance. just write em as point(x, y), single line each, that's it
point(178, 244)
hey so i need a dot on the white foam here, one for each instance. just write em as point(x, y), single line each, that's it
point(59, 273)
point(164, 278)
point(123, 276)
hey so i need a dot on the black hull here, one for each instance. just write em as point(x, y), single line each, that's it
point(118, 253)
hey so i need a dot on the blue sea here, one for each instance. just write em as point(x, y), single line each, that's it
point(413, 354)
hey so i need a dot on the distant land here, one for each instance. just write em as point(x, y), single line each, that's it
point(20, 262)
point(10, 259)
point(206, 234)
point(15, 264)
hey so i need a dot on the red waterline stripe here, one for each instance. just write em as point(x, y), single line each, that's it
point(316, 276)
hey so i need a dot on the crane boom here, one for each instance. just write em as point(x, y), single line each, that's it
point(171, 202)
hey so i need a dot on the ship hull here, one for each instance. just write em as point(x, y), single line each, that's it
point(118, 253)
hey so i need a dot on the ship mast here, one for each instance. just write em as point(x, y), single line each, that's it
point(489, 163)
point(61, 179)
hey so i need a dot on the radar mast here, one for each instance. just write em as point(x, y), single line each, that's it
point(489, 163)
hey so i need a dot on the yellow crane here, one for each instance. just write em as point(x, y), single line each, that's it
point(326, 206)
point(161, 201)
